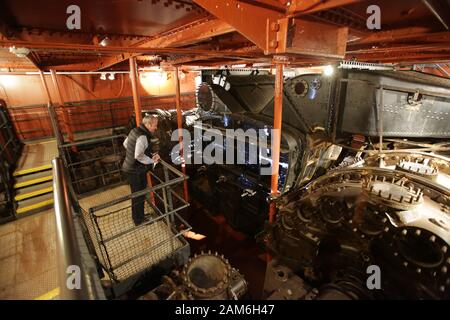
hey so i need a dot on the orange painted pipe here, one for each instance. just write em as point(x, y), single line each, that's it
point(276, 143)
point(135, 89)
point(180, 131)
point(138, 111)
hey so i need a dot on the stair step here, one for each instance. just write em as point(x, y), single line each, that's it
point(33, 204)
point(33, 191)
point(32, 170)
point(33, 178)
point(51, 295)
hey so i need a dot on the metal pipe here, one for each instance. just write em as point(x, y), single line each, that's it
point(380, 118)
point(180, 130)
point(138, 108)
point(435, 12)
point(57, 89)
point(64, 111)
point(73, 72)
point(44, 84)
point(36, 73)
point(51, 111)
point(135, 89)
point(276, 141)
point(69, 258)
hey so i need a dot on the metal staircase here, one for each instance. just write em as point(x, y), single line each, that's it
point(33, 178)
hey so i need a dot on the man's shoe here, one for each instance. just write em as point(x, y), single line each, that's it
point(144, 220)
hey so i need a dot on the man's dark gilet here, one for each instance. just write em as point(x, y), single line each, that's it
point(131, 165)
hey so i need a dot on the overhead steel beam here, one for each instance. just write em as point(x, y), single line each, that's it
point(249, 49)
point(192, 33)
point(403, 57)
point(6, 34)
point(258, 24)
point(71, 66)
point(276, 5)
point(404, 34)
point(302, 7)
point(312, 39)
point(274, 33)
point(80, 48)
point(440, 47)
point(42, 35)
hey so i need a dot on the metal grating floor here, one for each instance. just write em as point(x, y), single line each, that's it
point(138, 242)
point(128, 250)
point(28, 267)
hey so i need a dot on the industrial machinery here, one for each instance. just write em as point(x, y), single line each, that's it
point(363, 183)
point(320, 114)
point(354, 192)
point(331, 231)
point(207, 276)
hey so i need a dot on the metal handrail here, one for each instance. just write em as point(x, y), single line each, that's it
point(68, 253)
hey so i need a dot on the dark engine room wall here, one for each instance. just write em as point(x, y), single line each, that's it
point(91, 103)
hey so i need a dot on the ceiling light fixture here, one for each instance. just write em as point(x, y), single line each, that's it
point(20, 52)
point(328, 71)
point(103, 76)
point(104, 42)
point(111, 76)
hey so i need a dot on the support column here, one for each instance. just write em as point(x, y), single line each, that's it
point(180, 131)
point(276, 143)
point(64, 111)
point(51, 111)
point(138, 110)
point(134, 87)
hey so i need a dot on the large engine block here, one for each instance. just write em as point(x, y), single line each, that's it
point(328, 233)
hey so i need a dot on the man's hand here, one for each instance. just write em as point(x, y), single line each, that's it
point(156, 158)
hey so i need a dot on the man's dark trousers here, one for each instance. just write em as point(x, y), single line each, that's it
point(138, 182)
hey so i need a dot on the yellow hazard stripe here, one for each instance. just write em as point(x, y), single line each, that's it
point(33, 181)
point(33, 194)
point(35, 206)
point(49, 295)
point(31, 170)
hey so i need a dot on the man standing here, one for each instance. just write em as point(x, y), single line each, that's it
point(138, 161)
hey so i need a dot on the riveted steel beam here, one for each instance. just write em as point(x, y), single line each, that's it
point(189, 34)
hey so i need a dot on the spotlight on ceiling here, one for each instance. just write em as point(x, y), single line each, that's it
point(20, 52)
point(103, 76)
point(104, 42)
point(328, 71)
point(111, 76)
